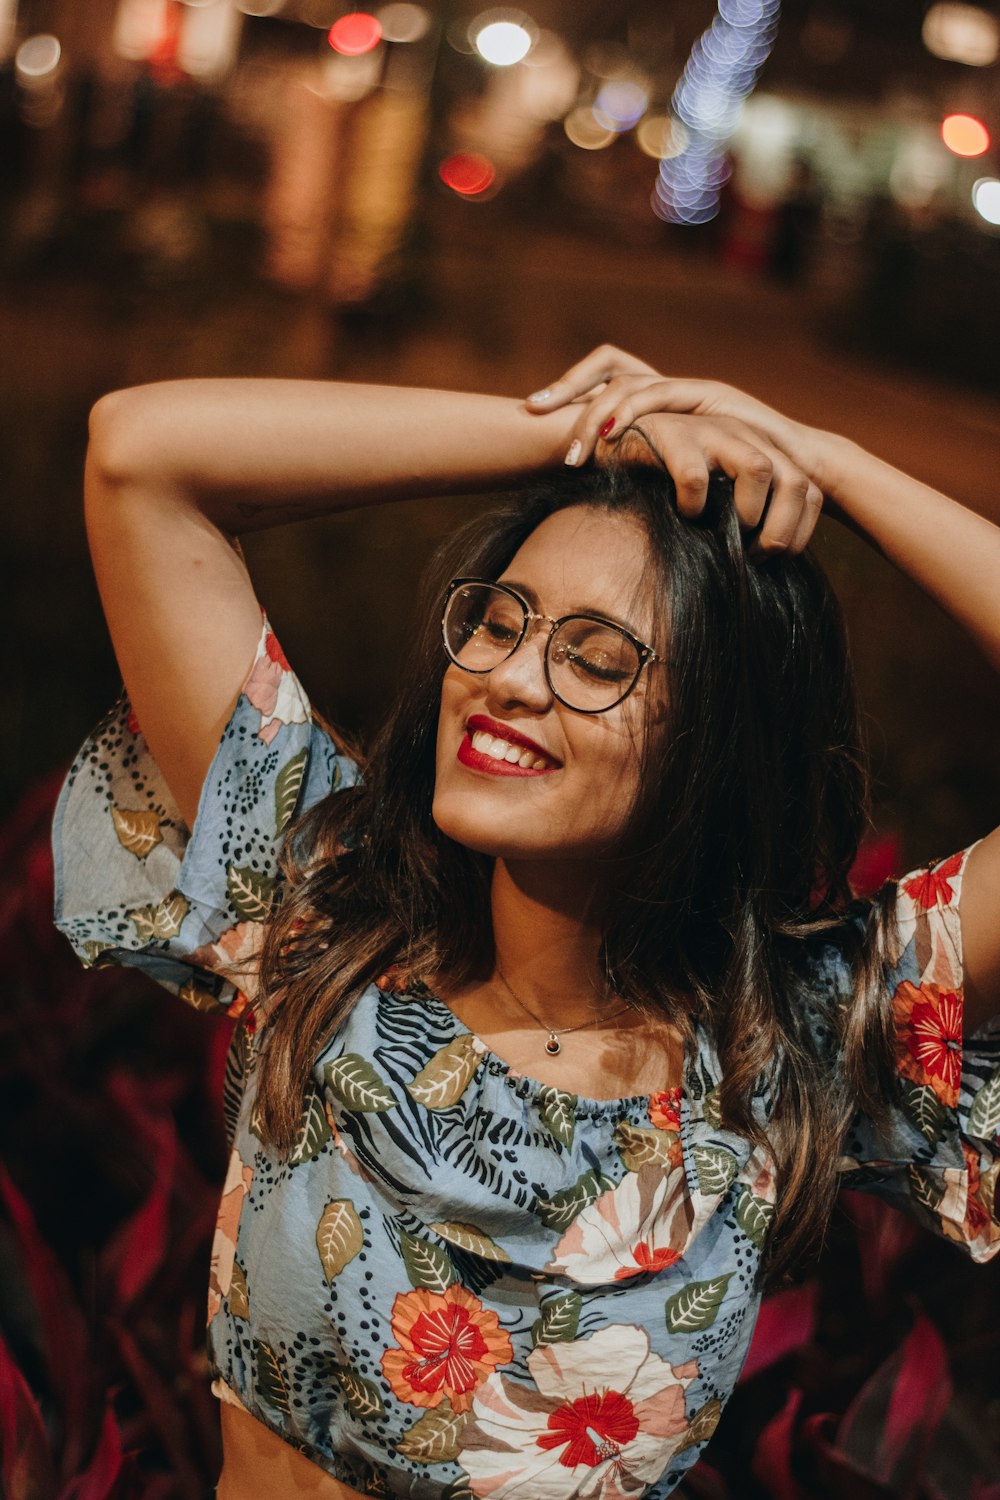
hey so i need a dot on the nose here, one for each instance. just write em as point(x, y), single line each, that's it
point(520, 679)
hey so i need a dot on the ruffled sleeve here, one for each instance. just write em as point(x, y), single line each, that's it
point(938, 1152)
point(135, 886)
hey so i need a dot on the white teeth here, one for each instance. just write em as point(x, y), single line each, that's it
point(498, 749)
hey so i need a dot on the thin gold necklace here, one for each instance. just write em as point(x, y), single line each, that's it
point(553, 1045)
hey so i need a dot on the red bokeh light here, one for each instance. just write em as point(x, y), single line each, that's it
point(467, 173)
point(965, 135)
point(354, 34)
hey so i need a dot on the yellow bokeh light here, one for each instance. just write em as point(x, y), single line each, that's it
point(584, 131)
point(661, 137)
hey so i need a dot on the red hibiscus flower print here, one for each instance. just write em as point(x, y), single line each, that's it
point(449, 1344)
point(648, 1259)
point(665, 1109)
point(929, 1037)
point(976, 1217)
point(274, 651)
point(933, 887)
point(592, 1428)
point(132, 721)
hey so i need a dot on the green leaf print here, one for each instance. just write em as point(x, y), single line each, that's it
point(363, 1398)
point(239, 1297)
point(444, 1079)
point(924, 1108)
point(559, 1320)
point(286, 789)
point(711, 1108)
point(357, 1085)
point(716, 1168)
point(138, 832)
point(702, 1425)
point(559, 1211)
point(427, 1265)
point(459, 1489)
point(641, 1145)
point(754, 1216)
point(169, 915)
point(339, 1236)
point(197, 996)
point(268, 1378)
point(558, 1113)
point(250, 893)
point(435, 1438)
point(468, 1237)
point(925, 1187)
point(696, 1306)
point(314, 1131)
point(984, 1116)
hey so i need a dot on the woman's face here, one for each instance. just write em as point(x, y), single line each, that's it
point(578, 801)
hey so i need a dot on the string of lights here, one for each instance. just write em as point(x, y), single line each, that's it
point(721, 72)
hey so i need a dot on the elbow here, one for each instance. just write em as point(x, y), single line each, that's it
point(112, 451)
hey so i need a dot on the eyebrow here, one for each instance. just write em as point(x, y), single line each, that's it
point(600, 614)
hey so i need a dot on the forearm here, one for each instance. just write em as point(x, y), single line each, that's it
point(256, 453)
point(951, 552)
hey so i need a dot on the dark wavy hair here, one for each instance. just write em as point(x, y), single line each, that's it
point(752, 801)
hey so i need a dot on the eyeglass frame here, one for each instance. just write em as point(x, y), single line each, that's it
point(645, 652)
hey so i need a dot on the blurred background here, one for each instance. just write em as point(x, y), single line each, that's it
point(802, 199)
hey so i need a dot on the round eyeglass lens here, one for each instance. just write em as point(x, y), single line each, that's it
point(591, 666)
point(482, 626)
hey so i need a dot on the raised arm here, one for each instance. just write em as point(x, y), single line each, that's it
point(950, 551)
point(175, 471)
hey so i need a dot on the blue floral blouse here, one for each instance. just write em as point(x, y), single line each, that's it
point(464, 1282)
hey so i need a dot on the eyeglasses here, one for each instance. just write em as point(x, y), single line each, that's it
point(590, 664)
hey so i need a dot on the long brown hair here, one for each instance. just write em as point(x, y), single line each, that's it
point(751, 806)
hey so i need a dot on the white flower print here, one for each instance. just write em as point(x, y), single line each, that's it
point(601, 1422)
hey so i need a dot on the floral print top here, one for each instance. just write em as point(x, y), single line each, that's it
point(463, 1282)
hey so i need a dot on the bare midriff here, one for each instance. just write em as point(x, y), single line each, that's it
point(259, 1466)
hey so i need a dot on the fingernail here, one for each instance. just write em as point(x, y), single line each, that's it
point(573, 455)
point(608, 427)
point(540, 396)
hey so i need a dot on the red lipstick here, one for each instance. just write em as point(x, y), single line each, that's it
point(478, 760)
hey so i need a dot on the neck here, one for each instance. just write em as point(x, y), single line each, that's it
point(548, 939)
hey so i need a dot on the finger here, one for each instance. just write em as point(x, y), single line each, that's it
point(752, 472)
point(784, 513)
point(811, 512)
point(606, 415)
point(580, 379)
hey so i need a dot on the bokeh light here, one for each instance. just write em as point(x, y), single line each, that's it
point(620, 104)
point(965, 135)
point(986, 199)
point(502, 43)
point(585, 131)
point(37, 57)
point(402, 22)
point(661, 137)
point(355, 34)
point(962, 33)
point(467, 173)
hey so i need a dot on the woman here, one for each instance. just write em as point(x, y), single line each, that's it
point(564, 1026)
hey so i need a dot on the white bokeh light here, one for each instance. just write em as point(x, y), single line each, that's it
point(986, 199)
point(503, 43)
point(37, 57)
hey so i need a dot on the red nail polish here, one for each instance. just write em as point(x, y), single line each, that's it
point(609, 426)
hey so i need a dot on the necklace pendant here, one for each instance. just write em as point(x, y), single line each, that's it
point(553, 1045)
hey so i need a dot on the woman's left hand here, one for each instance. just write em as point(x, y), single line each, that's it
point(697, 427)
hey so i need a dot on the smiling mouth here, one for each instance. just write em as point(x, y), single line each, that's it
point(481, 750)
